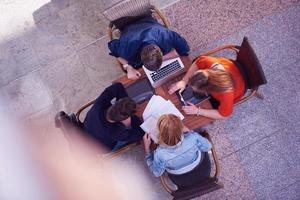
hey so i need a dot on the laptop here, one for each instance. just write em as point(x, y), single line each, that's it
point(168, 70)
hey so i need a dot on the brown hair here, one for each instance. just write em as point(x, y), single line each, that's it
point(212, 80)
point(170, 129)
point(121, 110)
point(151, 57)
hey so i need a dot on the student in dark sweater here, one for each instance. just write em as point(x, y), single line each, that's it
point(113, 125)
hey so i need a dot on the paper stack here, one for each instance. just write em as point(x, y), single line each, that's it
point(156, 107)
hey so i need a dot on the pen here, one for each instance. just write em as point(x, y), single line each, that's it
point(181, 98)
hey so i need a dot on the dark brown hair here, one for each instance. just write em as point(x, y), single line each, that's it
point(151, 57)
point(170, 129)
point(212, 80)
point(121, 110)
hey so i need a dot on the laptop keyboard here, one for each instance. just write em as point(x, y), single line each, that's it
point(165, 71)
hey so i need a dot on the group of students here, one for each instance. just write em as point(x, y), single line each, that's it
point(181, 152)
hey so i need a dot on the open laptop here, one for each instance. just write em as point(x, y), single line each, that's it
point(140, 90)
point(169, 69)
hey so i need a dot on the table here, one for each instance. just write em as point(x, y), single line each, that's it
point(191, 121)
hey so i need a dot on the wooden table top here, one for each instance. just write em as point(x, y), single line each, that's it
point(191, 121)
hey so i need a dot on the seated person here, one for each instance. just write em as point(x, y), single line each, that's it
point(218, 77)
point(147, 42)
point(113, 125)
point(182, 155)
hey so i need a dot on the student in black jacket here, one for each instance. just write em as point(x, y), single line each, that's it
point(113, 125)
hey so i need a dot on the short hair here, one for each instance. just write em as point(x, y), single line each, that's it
point(212, 80)
point(151, 57)
point(121, 110)
point(170, 129)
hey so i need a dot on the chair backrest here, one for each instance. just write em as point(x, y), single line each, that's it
point(251, 65)
point(127, 8)
point(208, 185)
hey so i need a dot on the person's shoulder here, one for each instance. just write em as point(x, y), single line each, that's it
point(159, 152)
point(191, 135)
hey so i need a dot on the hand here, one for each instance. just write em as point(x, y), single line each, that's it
point(147, 142)
point(186, 129)
point(191, 109)
point(180, 85)
point(132, 73)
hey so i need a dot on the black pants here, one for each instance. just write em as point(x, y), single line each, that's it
point(197, 175)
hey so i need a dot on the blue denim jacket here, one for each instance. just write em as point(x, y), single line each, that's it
point(178, 156)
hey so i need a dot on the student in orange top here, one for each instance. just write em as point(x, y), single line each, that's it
point(218, 77)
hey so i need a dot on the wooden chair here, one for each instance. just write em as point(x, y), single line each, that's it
point(248, 62)
point(131, 10)
point(209, 185)
point(72, 123)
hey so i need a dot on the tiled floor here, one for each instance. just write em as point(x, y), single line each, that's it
point(46, 65)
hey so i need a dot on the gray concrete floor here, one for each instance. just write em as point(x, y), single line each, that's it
point(46, 66)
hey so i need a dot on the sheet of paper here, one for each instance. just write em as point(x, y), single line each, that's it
point(154, 103)
point(157, 107)
point(167, 108)
point(149, 126)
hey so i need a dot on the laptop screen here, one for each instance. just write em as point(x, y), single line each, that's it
point(140, 91)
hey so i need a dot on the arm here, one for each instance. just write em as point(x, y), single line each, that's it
point(130, 135)
point(156, 166)
point(202, 62)
point(191, 109)
point(224, 110)
point(114, 47)
point(210, 113)
point(180, 85)
point(202, 143)
point(122, 60)
point(135, 133)
point(131, 72)
point(180, 45)
point(190, 72)
point(116, 90)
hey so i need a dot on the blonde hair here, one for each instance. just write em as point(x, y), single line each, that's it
point(170, 129)
point(212, 80)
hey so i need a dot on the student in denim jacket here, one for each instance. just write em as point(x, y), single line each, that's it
point(182, 155)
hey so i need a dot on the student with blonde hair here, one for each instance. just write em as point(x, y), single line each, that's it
point(218, 77)
point(182, 153)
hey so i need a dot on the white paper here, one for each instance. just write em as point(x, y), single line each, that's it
point(149, 126)
point(155, 102)
point(168, 108)
point(157, 107)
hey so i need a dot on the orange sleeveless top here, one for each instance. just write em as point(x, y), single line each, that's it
point(226, 99)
